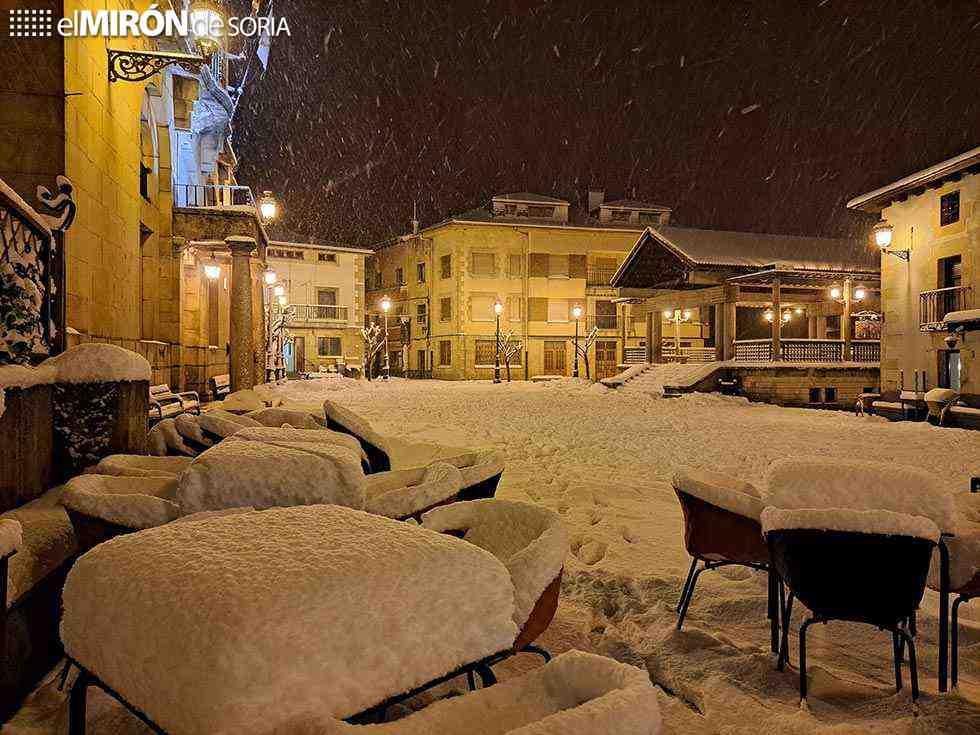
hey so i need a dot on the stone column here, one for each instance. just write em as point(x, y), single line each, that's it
point(241, 360)
point(777, 321)
point(658, 336)
point(718, 332)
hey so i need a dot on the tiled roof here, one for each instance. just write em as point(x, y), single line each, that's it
point(526, 196)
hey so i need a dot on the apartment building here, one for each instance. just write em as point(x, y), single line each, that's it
point(539, 259)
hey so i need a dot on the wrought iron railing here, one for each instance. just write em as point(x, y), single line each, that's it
point(320, 313)
point(213, 195)
point(935, 305)
point(812, 350)
point(599, 276)
point(866, 350)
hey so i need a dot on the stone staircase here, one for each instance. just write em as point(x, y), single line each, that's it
point(668, 380)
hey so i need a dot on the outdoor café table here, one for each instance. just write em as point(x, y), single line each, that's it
point(204, 626)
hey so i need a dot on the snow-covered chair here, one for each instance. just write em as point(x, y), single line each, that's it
point(576, 694)
point(11, 538)
point(287, 434)
point(404, 494)
point(342, 419)
point(939, 401)
point(310, 613)
point(101, 507)
point(721, 528)
point(529, 540)
point(138, 465)
point(860, 566)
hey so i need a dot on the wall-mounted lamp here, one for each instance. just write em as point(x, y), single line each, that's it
point(883, 239)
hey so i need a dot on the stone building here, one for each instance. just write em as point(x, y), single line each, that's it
point(324, 289)
point(930, 274)
point(537, 256)
point(152, 170)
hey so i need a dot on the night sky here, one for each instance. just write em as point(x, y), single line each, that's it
point(760, 116)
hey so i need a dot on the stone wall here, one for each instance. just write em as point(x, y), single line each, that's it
point(790, 386)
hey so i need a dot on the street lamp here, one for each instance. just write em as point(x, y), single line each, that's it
point(279, 290)
point(269, 276)
point(883, 239)
point(577, 313)
point(212, 270)
point(207, 24)
point(498, 309)
point(677, 316)
point(386, 307)
point(268, 207)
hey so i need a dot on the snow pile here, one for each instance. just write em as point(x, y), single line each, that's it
point(485, 465)
point(240, 419)
point(627, 375)
point(97, 363)
point(320, 612)
point(528, 539)
point(439, 482)
point(820, 483)
point(189, 429)
point(575, 694)
point(238, 473)
point(137, 465)
point(11, 538)
point(134, 502)
point(280, 416)
point(218, 426)
point(962, 317)
point(656, 378)
point(941, 395)
point(358, 426)
point(164, 439)
point(883, 522)
point(241, 401)
point(720, 490)
point(288, 435)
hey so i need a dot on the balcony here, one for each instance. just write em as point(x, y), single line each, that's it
point(316, 313)
point(635, 326)
point(935, 305)
point(815, 351)
point(212, 195)
point(599, 277)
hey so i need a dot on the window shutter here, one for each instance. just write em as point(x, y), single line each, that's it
point(576, 266)
point(537, 309)
point(538, 265)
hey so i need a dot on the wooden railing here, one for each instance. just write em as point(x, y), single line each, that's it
point(688, 354)
point(599, 276)
point(753, 350)
point(866, 350)
point(320, 313)
point(935, 305)
point(213, 195)
point(813, 350)
point(807, 350)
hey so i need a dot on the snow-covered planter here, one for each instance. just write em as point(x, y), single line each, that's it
point(101, 394)
point(26, 435)
point(576, 694)
point(281, 616)
point(528, 539)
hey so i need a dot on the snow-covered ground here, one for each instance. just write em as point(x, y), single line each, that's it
point(603, 459)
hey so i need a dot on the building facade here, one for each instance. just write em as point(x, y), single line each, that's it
point(153, 177)
point(534, 255)
point(324, 288)
point(930, 270)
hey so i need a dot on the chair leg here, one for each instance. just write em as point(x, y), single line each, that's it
point(897, 647)
point(773, 610)
point(787, 612)
point(687, 600)
point(76, 704)
point(687, 583)
point(471, 680)
point(487, 677)
point(803, 629)
point(537, 650)
point(954, 662)
point(913, 664)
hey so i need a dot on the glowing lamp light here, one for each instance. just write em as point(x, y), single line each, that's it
point(269, 276)
point(385, 304)
point(859, 293)
point(798, 310)
point(279, 291)
point(212, 270)
point(786, 317)
point(668, 313)
point(687, 314)
point(835, 292)
point(498, 308)
point(282, 300)
point(768, 315)
point(268, 207)
point(207, 24)
point(577, 311)
point(883, 234)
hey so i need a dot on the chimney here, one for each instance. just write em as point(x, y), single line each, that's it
point(596, 198)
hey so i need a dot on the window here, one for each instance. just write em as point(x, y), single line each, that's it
point(619, 215)
point(326, 297)
point(949, 369)
point(378, 283)
point(420, 359)
point(949, 208)
point(830, 395)
point(446, 309)
point(328, 346)
point(286, 254)
point(214, 331)
point(950, 272)
point(481, 307)
point(650, 218)
point(515, 311)
point(399, 277)
point(537, 210)
point(515, 265)
point(554, 358)
point(557, 266)
point(446, 266)
point(445, 353)
point(816, 395)
point(145, 172)
point(486, 351)
point(420, 272)
point(327, 257)
point(557, 310)
point(422, 314)
point(484, 264)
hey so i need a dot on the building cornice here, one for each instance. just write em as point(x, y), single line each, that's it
point(875, 201)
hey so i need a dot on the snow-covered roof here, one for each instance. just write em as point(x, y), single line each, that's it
point(697, 248)
point(875, 201)
point(635, 204)
point(529, 197)
point(957, 318)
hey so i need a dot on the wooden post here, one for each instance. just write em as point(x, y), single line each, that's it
point(821, 327)
point(623, 308)
point(845, 320)
point(730, 309)
point(777, 321)
point(811, 327)
point(241, 337)
point(718, 331)
point(650, 331)
point(658, 337)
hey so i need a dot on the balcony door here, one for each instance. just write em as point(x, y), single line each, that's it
point(949, 369)
point(326, 303)
point(299, 353)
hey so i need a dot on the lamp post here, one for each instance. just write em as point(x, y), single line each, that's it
point(847, 295)
point(678, 317)
point(498, 309)
point(386, 307)
point(212, 269)
point(577, 313)
point(207, 24)
point(268, 207)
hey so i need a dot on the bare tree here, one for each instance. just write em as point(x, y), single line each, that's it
point(583, 346)
point(373, 343)
point(507, 349)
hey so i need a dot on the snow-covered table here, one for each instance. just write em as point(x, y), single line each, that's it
point(313, 612)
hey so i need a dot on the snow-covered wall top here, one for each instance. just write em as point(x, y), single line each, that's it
point(97, 363)
point(278, 616)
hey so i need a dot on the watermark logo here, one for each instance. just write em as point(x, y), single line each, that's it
point(31, 23)
point(151, 23)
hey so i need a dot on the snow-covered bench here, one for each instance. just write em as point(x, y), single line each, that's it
point(576, 694)
point(164, 403)
point(279, 616)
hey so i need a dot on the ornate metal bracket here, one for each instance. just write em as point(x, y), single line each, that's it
point(60, 204)
point(138, 66)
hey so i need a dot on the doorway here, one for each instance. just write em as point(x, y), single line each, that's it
point(605, 359)
point(554, 358)
point(299, 353)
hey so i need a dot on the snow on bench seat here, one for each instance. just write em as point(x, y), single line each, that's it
point(281, 616)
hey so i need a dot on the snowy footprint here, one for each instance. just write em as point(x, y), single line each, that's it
point(589, 551)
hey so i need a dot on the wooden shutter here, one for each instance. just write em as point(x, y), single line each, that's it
point(538, 265)
point(537, 309)
point(576, 266)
